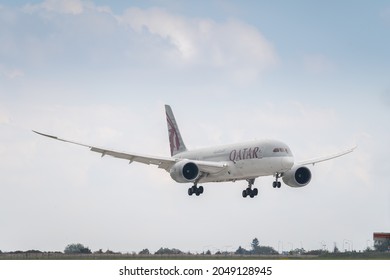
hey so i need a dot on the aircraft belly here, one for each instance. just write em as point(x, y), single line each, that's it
point(246, 169)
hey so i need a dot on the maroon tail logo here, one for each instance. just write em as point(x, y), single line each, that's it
point(173, 137)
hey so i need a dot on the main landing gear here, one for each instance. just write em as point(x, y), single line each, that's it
point(249, 191)
point(195, 190)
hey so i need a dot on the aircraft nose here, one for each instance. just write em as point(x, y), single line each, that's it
point(287, 162)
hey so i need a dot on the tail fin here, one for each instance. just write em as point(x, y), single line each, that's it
point(175, 141)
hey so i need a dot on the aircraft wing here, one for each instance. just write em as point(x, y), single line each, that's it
point(162, 162)
point(324, 158)
point(210, 167)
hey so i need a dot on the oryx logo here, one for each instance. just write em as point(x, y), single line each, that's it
point(174, 141)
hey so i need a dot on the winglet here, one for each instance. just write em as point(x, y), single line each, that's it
point(59, 139)
point(47, 135)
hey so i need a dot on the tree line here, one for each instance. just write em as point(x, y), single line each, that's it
point(256, 249)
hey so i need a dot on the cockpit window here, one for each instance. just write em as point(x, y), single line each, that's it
point(278, 150)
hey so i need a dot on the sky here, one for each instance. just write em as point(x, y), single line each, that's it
point(313, 74)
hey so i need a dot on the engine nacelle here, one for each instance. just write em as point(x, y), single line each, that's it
point(184, 171)
point(298, 176)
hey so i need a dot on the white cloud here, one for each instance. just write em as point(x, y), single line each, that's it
point(3, 118)
point(231, 45)
point(74, 7)
point(10, 73)
point(173, 28)
point(318, 63)
point(13, 74)
point(229, 48)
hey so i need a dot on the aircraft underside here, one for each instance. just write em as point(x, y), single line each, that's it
point(249, 171)
point(248, 192)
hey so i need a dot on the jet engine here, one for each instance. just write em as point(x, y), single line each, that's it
point(298, 176)
point(184, 171)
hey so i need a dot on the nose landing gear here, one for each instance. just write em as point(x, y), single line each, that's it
point(276, 183)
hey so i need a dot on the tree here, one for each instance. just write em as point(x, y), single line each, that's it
point(368, 250)
point(316, 252)
point(110, 252)
point(266, 250)
point(255, 245)
point(261, 250)
point(144, 252)
point(77, 249)
point(256, 249)
point(166, 251)
point(241, 251)
point(336, 249)
point(297, 251)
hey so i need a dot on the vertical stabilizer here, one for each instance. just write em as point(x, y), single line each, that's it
point(175, 141)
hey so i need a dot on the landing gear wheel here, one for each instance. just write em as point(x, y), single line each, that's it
point(255, 191)
point(195, 190)
point(249, 191)
point(276, 184)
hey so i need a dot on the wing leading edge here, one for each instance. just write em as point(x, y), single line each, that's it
point(162, 162)
point(324, 158)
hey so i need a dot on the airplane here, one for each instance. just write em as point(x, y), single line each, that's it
point(225, 163)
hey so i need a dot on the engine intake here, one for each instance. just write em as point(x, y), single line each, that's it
point(184, 171)
point(298, 176)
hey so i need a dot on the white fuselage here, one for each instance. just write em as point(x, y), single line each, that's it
point(244, 160)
